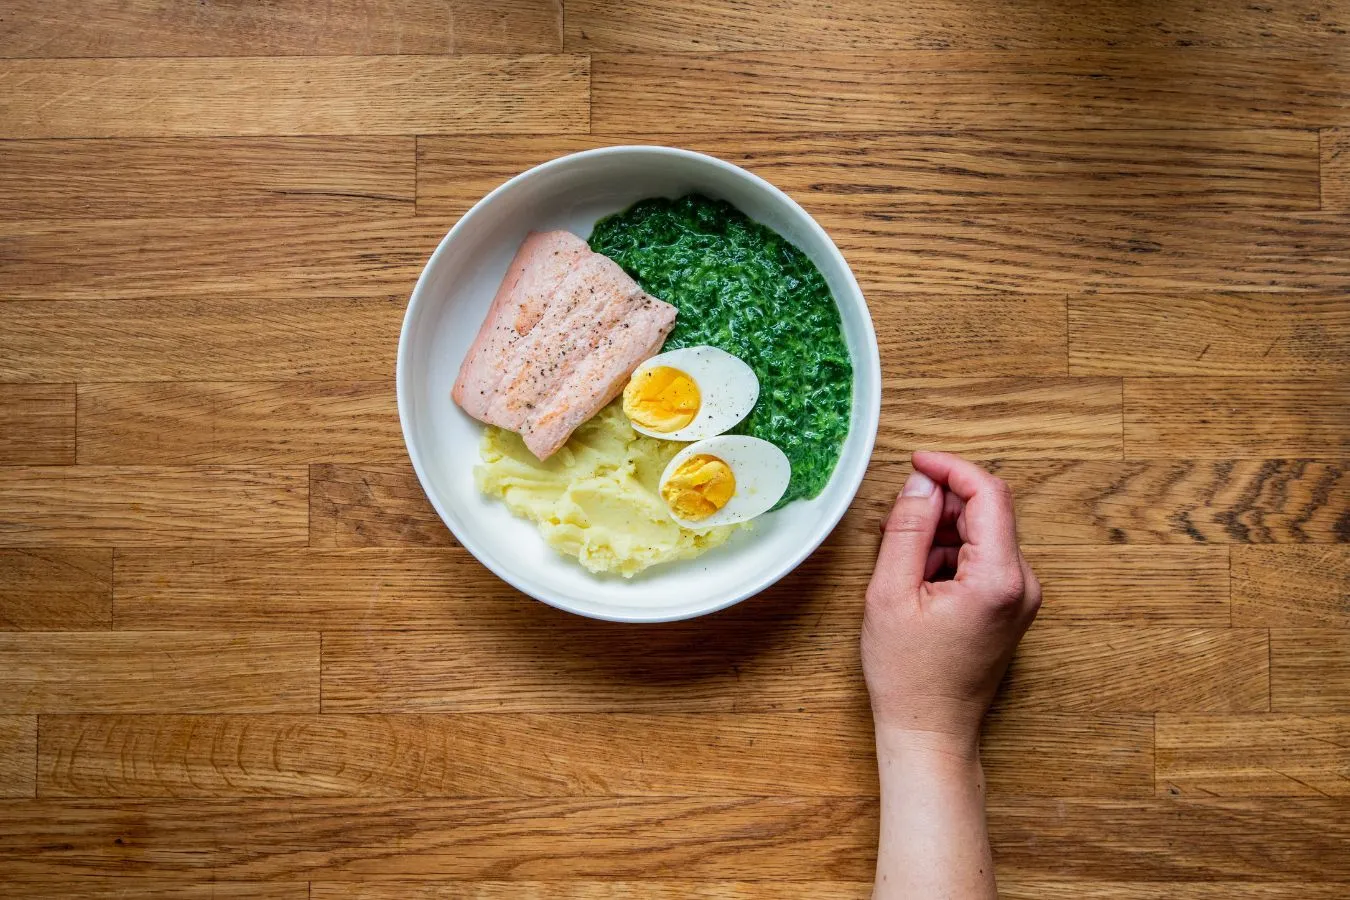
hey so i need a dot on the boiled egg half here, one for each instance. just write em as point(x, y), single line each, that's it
point(724, 479)
point(690, 394)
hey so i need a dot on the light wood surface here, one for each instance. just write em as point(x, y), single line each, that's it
point(77, 28)
point(37, 424)
point(783, 91)
point(1265, 168)
point(1107, 252)
point(278, 176)
point(124, 97)
point(55, 590)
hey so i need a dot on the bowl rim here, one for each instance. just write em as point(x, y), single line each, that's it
point(872, 414)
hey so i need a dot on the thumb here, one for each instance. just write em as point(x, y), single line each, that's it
point(908, 533)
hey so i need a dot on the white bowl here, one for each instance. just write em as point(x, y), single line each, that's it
point(449, 303)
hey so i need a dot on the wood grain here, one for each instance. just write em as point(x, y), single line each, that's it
point(1103, 669)
point(323, 95)
point(208, 177)
point(920, 254)
point(37, 424)
point(18, 750)
point(1058, 502)
point(409, 756)
point(332, 590)
point(1169, 501)
point(55, 590)
point(823, 25)
point(1335, 144)
point(1158, 585)
point(1270, 335)
point(555, 670)
point(139, 506)
point(1309, 670)
point(1142, 890)
point(1134, 669)
point(542, 755)
point(192, 259)
point(1295, 586)
point(1011, 335)
point(804, 839)
point(957, 89)
point(288, 27)
point(111, 888)
point(891, 172)
point(372, 506)
point(796, 839)
point(186, 423)
point(1223, 417)
point(1015, 417)
point(166, 671)
point(579, 889)
point(1172, 840)
point(1089, 755)
point(187, 339)
point(1093, 250)
point(1253, 756)
point(240, 655)
point(446, 588)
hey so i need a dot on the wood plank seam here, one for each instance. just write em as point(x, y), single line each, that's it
point(1068, 365)
point(1230, 589)
point(1124, 448)
point(1171, 218)
point(1154, 739)
point(1269, 660)
point(112, 578)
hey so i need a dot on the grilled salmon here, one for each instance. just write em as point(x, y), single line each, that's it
point(565, 331)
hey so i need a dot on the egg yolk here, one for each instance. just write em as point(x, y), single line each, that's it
point(699, 487)
point(662, 399)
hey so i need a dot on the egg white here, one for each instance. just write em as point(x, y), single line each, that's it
point(762, 472)
point(727, 387)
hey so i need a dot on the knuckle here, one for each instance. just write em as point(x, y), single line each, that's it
point(1008, 589)
point(1034, 604)
point(1033, 589)
point(902, 520)
point(1000, 487)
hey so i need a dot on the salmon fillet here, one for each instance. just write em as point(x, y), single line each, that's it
point(558, 343)
point(600, 376)
point(539, 267)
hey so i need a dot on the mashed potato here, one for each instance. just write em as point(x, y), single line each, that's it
point(595, 499)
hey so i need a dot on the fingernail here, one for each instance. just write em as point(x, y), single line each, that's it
point(917, 485)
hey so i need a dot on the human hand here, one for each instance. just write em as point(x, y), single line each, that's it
point(934, 648)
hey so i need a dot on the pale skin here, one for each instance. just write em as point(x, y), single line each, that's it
point(950, 597)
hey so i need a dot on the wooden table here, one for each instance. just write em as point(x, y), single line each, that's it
point(1107, 248)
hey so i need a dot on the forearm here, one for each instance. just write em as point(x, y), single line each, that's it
point(934, 843)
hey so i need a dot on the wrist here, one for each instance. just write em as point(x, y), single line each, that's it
point(913, 747)
point(930, 724)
